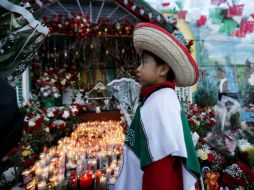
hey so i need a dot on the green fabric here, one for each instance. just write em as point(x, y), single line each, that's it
point(216, 16)
point(137, 141)
point(228, 27)
point(192, 162)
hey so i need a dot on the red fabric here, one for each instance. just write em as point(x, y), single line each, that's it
point(165, 174)
point(235, 10)
point(145, 92)
point(183, 48)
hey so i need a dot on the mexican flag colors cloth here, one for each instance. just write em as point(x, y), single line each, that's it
point(159, 129)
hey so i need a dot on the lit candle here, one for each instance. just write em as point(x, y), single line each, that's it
point(103, 184)
point(97, 178)
point(32, 185)
point(44, 176)
point(111, 185)
point(93, 164)
point(38, 171)
point(72, 183)
point(108, 173)
point(86, 180)
point(42, 185)
point(116, 172)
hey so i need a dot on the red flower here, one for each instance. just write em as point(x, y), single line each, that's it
point(28, 163)
point(194, 112)
point(26, 106)
point(44, 110)
point(37, 127)
point(210, 157)
point(189, 116)
point(14, 150)
point(247, 170)
point(56, 112)
point(227, 180)
point(51, 126)
point(209, 124)
point(75, 19)
point(191, 122)
point(61, 125)
point(30, 116)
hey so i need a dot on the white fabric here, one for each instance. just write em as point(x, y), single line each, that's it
point(130, 176)
point(161, 116)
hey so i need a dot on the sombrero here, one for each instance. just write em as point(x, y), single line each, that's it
point(159, 41)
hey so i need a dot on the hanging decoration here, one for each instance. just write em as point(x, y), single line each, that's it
point(146, 13)
point(225, 15)
point(81, 26)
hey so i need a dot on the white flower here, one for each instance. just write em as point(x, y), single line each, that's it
point(45, 94)
point(53, 80)
point(56, 95)
point(73, 108)
point(50, 114)
point(63, 82)
point(68, 76)
point(245, 146)
point(66, 114)
point(46, 129)
point(9, 175)
point(54, 89)
point(59, 122)
point(31, 123)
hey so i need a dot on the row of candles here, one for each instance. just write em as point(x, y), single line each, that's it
point(89, 159)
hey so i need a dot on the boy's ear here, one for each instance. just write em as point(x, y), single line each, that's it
point(164, 70)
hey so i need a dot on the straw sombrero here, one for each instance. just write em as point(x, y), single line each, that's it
point(159, 41)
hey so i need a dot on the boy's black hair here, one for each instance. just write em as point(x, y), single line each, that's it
point(159, 61)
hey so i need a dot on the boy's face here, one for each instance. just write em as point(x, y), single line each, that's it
point(149, 72)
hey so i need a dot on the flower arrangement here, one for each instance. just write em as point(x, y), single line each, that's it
point(238, 175)
point(201, 120)
point(82, 26)
point(211, 158)
point(49, 92)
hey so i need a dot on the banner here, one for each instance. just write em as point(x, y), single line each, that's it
point(235, 10)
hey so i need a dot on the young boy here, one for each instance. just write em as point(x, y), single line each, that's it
point(158, 149)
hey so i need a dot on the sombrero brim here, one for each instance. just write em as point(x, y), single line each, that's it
point(159, 41)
